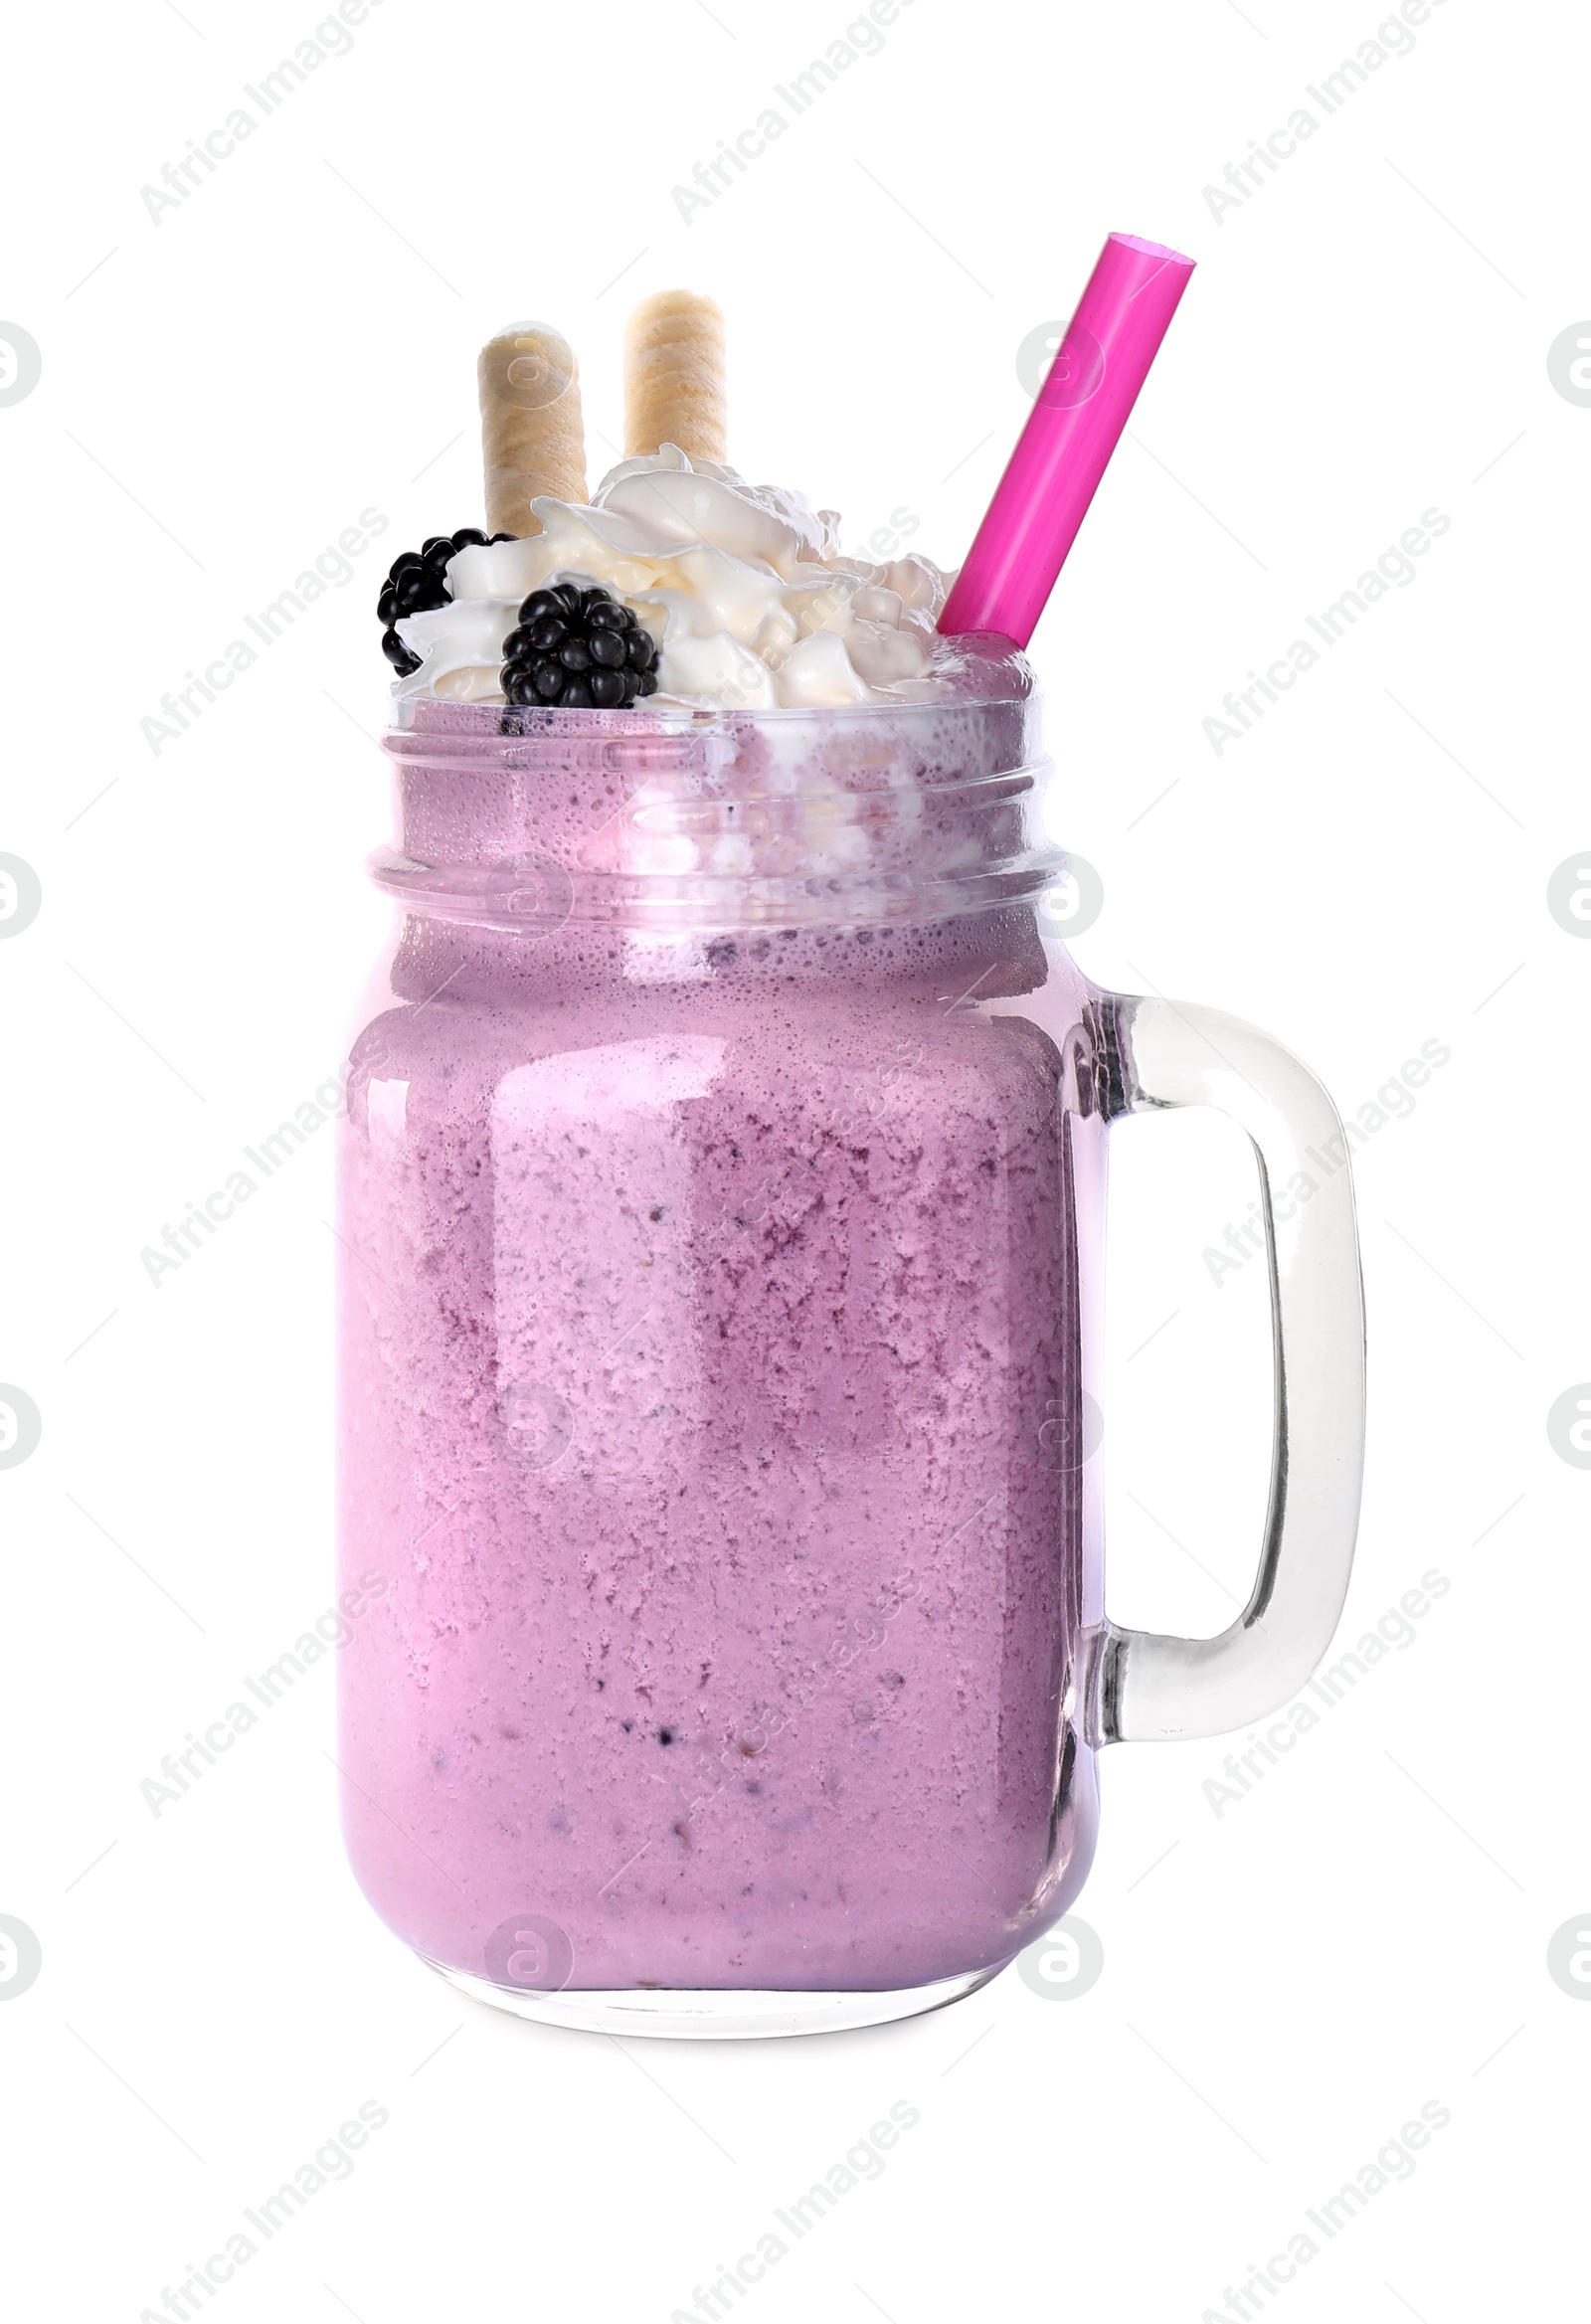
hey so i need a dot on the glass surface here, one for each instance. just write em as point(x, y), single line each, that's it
point(723, 1195)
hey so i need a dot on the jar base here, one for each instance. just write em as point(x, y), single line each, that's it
point(714, 2015)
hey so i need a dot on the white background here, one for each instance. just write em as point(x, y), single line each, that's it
point(222, 392)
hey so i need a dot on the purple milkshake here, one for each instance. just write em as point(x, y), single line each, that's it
point(713, 1362)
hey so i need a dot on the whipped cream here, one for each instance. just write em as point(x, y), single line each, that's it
point(742, 587)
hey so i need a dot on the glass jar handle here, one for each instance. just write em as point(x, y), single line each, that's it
point(1150, 1054)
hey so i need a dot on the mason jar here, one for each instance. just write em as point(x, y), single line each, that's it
point(722, 1209)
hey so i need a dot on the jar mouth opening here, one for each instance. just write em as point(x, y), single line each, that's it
point(867, 813)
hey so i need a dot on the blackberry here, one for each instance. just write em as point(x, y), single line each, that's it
point(415, 586)
point(578, 650)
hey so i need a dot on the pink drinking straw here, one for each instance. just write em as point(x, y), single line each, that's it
point(1064, 449)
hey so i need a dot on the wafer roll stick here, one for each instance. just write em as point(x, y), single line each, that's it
point(674, 377)
point(531, 430)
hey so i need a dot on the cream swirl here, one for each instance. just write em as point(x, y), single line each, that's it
point(742, 587)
